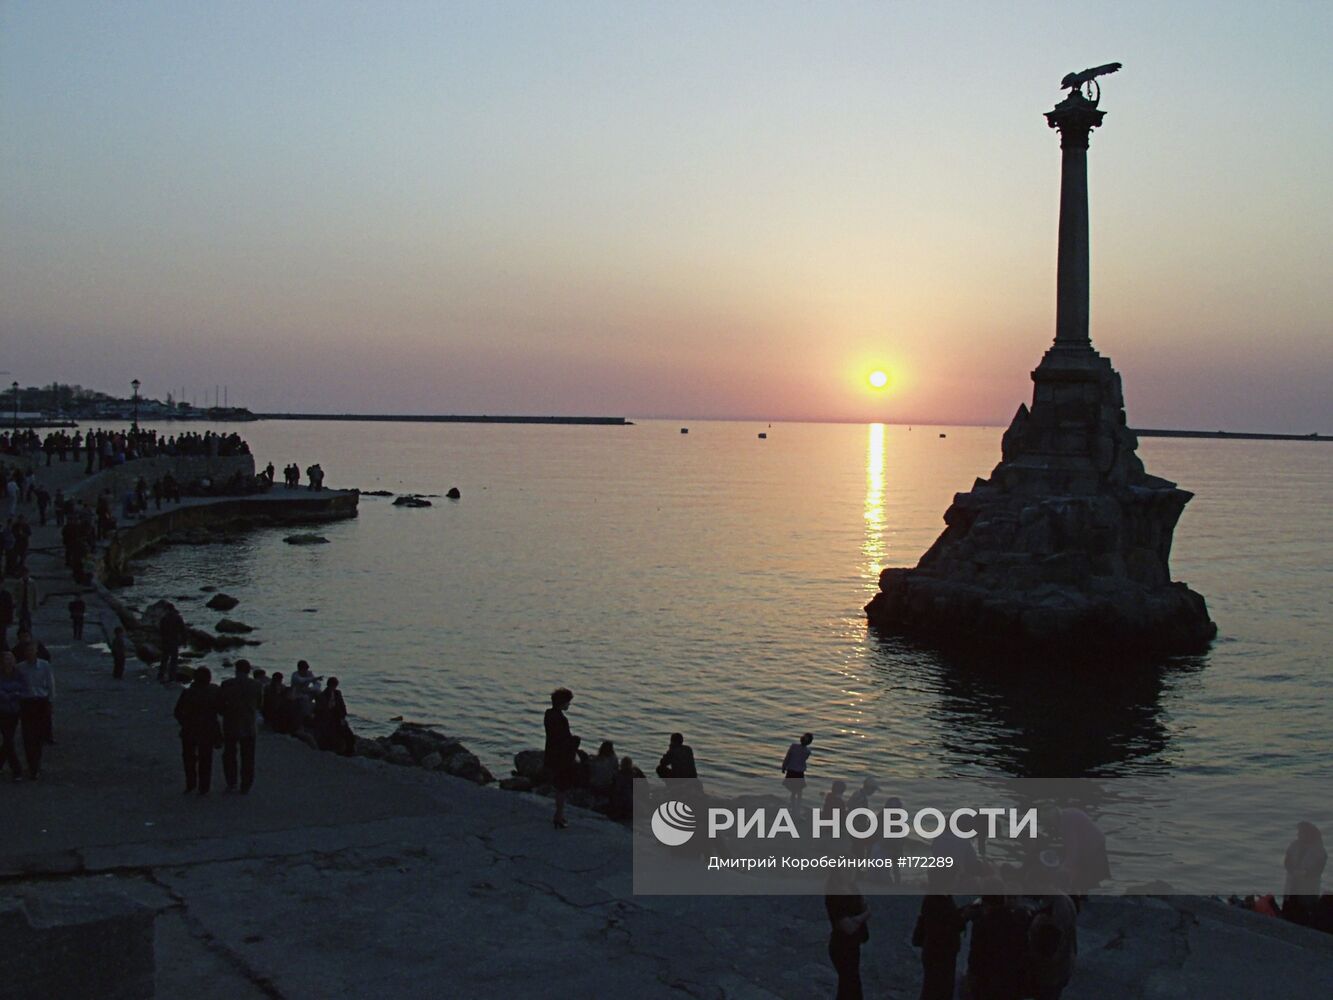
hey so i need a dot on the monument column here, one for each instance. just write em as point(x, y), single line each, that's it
point(1076, 116)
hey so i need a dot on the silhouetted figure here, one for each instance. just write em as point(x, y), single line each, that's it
point(1083, 860)
point(1052, 947)
point(678, 761)
point(834, 799)
point(78, 609)
point(793, 766)
point(1304, 861)
point(305, 686)
point(26, 600)
point(12, 690)
point(860, 799)
point(197, 712)
point(996, 966)
point(938, 933)
point(561, 752)
point(6, 616)
point(36, 702)
point(173, 632)
point(119, 652)
point(621, 807)
point(274, 694)
point(239, 699)
point(331, 729)
point(848, 916)
point(602, 768)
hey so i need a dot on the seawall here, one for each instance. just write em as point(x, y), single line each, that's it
point(183, 468)
point(277, 507)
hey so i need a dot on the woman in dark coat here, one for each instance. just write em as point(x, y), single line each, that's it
point(561, 749)
point(331, 729)
point(197, 712)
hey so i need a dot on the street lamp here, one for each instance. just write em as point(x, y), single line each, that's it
point(15, 387)
point(135, 384)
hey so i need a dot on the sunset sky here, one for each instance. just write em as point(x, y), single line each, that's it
point(664, 209)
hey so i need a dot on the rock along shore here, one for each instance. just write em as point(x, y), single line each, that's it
point(351, 877)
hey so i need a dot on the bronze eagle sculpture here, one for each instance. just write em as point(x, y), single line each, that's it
point(1073, 81)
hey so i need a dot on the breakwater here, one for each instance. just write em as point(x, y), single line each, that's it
point(278, 507)
point(450, 418)
point(1232, 435)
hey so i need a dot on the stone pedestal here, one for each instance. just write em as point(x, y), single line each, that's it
point(1066, 546)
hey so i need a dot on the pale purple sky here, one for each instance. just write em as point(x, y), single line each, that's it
point(684, 209)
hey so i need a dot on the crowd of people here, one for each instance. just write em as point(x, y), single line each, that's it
point(102, 449)
point(226, 716)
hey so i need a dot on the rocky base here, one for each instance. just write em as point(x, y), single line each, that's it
point(594, 782)
point(1103, 620)
point(415, 745)
point(1066, 547)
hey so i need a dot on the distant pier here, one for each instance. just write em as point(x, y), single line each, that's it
point(1236, 435)
point(449, 418)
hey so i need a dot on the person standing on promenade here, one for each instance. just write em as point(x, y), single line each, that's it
point(848, 915)
point(12, 690)
point(793, 766)
point(26, 599)
point(239, 700)
point(197, 712)
point(22, 540)
point(172, 631)
point(77, 611)
point(938, 933)
point(35, 704)
point(6, 616)
point(561, 749)
point(119, 651)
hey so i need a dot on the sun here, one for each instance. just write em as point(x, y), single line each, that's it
point(878, 379)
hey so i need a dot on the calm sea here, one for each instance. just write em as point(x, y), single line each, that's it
point(713, 582)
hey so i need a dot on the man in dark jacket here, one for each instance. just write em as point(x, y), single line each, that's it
point(240, 699)
point(197, 713)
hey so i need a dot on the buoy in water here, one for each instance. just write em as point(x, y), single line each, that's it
point(684, 430)
point(944, 435)
point(763, 436)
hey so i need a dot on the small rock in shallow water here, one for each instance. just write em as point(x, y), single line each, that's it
point(207, 590)
point(233, 627)
point(412, 501)
point(306, 540)
point(453, 493)
point(222, 602)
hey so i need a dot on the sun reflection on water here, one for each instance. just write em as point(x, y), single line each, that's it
point(873, 547)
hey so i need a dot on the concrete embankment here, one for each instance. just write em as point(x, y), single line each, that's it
point(279, 506)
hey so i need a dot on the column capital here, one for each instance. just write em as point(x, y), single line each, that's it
point(1075, 117)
